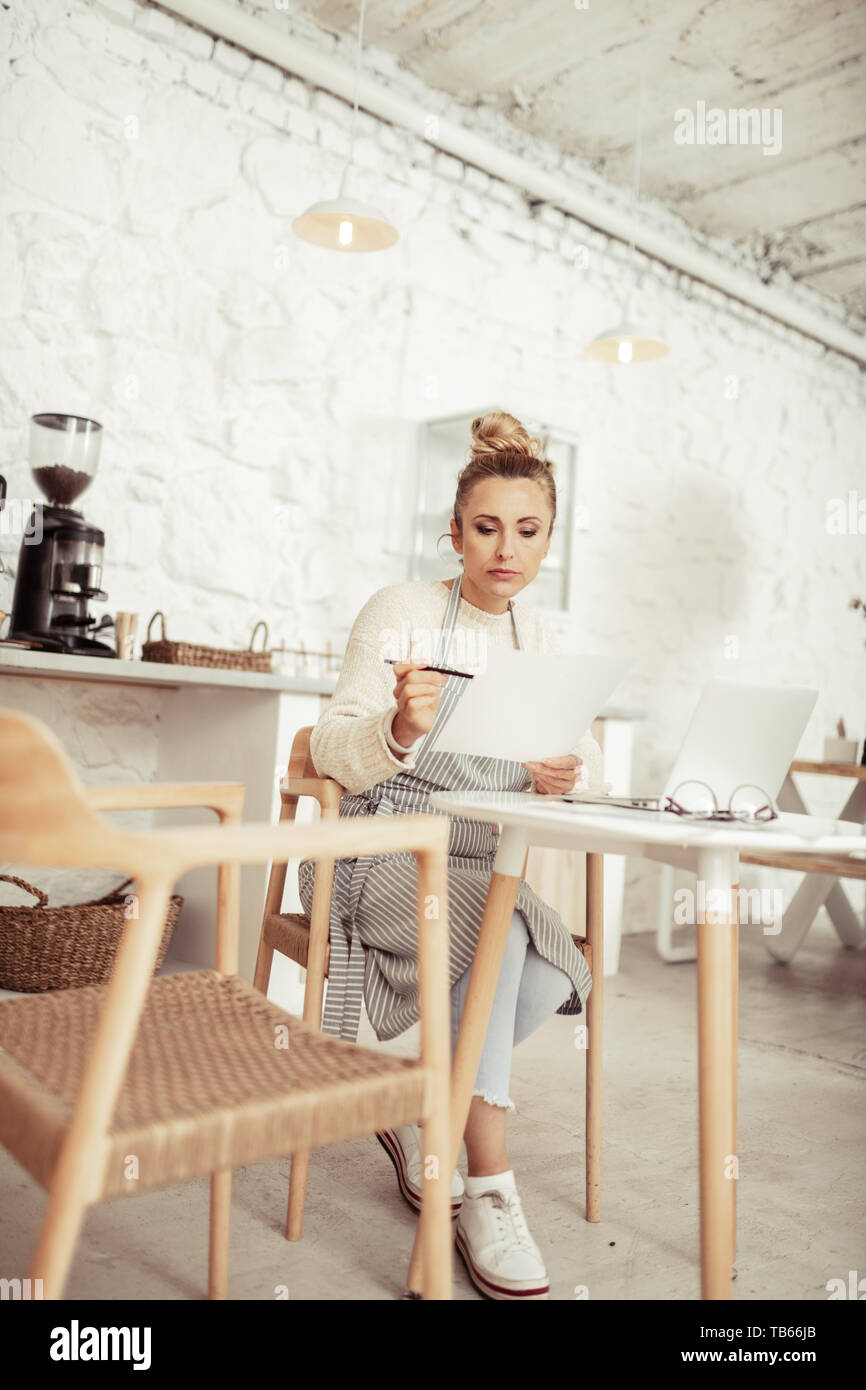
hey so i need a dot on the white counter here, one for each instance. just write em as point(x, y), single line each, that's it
point(17, 661)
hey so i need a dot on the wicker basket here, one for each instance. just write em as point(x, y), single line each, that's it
point(62, 947)
point(194, 654)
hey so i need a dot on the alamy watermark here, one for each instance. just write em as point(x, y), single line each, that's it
point(19, 516)
point(736, 126)
point(762, 906)
point(854, 1288)
point(846, 516)
point(85, 1343)
point(24, 1290)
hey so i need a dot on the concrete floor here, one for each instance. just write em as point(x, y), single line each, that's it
point(802, 1141)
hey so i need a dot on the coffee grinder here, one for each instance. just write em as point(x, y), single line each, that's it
point(60, 562)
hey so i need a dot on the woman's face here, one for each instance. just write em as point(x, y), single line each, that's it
point(506, 524)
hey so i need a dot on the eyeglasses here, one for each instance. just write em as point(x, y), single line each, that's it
point(697, 801)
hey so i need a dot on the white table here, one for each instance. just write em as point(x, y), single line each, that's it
point(712, 852)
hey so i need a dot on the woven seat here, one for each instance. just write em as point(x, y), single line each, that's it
point(208, 1085)
point(289, 933)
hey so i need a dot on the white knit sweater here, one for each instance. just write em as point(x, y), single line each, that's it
point(352, 741)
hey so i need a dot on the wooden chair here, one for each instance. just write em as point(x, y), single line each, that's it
point(126, 1087)
point(301, 939)
point(305, 941)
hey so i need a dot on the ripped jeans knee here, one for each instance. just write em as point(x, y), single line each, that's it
point(503, 1102)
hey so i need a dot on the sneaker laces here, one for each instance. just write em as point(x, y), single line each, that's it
point(507, 1208)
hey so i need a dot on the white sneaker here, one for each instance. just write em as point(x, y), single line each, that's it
point(403, 1147)
point(502, 1258)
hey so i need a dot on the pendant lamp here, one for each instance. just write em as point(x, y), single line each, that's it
point(344, 223)
point(629, 343)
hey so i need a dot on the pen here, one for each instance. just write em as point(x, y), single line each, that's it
point(445, 670)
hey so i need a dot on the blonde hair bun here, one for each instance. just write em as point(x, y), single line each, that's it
point(500, 433)
point(502, 448)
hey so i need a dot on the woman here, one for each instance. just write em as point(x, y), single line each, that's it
point(375, 738)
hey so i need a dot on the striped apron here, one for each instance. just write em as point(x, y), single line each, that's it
point(374, 897)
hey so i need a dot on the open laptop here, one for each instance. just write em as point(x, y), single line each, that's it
point(739, 734)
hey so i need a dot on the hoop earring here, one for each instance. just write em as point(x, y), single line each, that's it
point(444, 536)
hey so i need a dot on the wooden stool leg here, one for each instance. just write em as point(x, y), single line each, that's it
point(501, 897)
point(314, 993)
point(264, 960)
point(297, 1194)
point(716, 1058)
point(735, 985)
point(220, 1223)
point(434, 1227)
point(594, 1054)
point(61, 1228)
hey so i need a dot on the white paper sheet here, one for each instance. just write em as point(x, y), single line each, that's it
point(526, 707)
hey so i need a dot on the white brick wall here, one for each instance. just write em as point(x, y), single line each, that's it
point(111, 742)
point(151, 279)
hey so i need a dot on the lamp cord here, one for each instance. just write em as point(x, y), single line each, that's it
point(355, 98)
point(635, 192)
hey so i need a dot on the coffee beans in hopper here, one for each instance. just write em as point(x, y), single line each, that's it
point(61, 484)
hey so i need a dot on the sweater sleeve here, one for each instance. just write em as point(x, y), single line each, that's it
point(351, 739)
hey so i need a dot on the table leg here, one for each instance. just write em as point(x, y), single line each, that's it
point(501, 896)
point(734, 940)
point(844, 918)
point(810, 896)
point(717, 1053)
point(595, 937)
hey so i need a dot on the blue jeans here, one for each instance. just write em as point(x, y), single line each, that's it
point(528, 991)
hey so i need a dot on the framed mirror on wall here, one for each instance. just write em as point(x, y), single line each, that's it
point(442, 446)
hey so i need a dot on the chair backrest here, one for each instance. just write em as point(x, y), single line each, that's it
point(44, 812)
point(302, 779)
point(300, 759)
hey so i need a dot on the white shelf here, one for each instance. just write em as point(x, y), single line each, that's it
point(16, 661)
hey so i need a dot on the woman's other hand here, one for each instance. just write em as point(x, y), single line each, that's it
point(417, 694)
point(554, 776)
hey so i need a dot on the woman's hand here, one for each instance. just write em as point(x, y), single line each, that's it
point(417, 694)
point(555, 775)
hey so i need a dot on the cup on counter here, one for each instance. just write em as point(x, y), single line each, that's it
point(125, 627)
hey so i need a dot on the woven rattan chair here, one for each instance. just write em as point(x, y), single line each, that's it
point(299, 938)
point(305, 940)
point(122, 1088)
